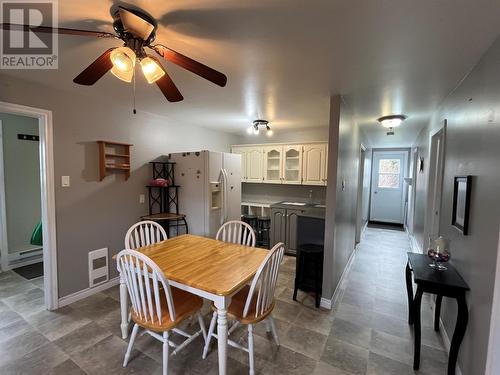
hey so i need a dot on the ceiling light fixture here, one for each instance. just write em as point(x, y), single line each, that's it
point(391, 121)
point(254, 129)
point(123, 59)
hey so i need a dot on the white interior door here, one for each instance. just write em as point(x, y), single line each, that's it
point(388, 193)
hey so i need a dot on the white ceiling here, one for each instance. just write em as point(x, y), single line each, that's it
point(285, 58)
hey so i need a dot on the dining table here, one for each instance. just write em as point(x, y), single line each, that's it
point(209, 268)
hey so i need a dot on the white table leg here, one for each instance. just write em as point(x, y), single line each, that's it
point(124, 308)
point(222, 305)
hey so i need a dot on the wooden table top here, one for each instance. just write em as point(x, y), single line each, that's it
point(213, 266)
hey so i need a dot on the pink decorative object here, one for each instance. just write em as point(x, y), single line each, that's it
point(159, 182)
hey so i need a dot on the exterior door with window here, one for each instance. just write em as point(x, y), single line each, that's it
point(388, 188)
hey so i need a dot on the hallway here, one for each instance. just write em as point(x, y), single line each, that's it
point(370, 328)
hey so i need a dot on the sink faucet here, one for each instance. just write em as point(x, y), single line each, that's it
point(310, 201)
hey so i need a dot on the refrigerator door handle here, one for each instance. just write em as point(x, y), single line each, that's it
point(226, 181)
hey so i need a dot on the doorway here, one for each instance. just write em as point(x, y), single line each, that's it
point(359, 202)
point(22, 251)
point(435, 190)
point(388, 191)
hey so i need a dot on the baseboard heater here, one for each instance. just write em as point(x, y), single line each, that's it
point(25, 257)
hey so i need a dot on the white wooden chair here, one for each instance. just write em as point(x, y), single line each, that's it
point(253, 304)
point(156, 307)
point(144, 233)
point(236, 231)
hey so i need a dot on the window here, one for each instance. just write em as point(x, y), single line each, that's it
point(388, 173)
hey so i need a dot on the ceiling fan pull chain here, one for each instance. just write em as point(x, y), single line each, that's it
point(134, 111)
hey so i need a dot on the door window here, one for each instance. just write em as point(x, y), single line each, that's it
point(388, 173)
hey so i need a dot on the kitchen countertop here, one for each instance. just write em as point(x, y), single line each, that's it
point(307, 206)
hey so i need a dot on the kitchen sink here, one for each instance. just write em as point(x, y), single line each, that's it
point(294, 203)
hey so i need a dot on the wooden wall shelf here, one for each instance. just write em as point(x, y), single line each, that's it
point(113, 156)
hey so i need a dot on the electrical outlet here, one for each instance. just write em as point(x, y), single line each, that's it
point(142, 198)
point(65, 181)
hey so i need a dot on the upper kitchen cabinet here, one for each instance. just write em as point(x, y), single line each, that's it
point(284, 163)
point(254, 164)
point(243, 152)
point(314, 164)
point(273, 164)
point(292, 164)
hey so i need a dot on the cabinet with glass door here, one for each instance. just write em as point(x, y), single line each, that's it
point(292, 164)
point(273, 164)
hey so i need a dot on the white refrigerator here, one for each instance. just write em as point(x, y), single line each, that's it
point(210, 189)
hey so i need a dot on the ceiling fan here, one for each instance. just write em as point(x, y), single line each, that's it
point(137, 30)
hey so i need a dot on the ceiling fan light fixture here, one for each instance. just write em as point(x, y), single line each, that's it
point(391, 121)
point(151, 69)
point(256, 130)
point(123, 59)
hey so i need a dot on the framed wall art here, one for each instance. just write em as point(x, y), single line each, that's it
point(461, 203)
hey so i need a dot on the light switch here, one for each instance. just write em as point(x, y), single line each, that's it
point(65, 181)
point(142, 198)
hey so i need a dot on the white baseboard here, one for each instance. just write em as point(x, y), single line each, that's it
point(447, 342)
point(329, 303)
point(71, 298)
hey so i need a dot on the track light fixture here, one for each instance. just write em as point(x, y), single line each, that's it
point(254, 128)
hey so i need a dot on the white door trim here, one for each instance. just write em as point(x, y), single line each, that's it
point(359, 199)
point(4, 242)
point(48, 195)
point(493, 358)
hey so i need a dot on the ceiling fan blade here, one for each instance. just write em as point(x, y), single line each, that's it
point(135, 24)
point(58, 30)
point(189, 64)
point(168, 87)
point(96, 70)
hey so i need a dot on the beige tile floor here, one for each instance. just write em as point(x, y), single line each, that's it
point(365, 333)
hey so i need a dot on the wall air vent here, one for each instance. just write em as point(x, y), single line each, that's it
point(98, 267)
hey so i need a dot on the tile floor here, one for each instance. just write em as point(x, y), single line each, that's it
point(365, 333)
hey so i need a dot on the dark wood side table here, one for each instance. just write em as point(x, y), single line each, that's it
point(446, 283)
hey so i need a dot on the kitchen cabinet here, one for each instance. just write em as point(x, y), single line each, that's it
point(254, 164)
point(292, 164)
point(273, 164)
point(284, 227)
point(278, 226)
point(297, 164)
point(243, 152)
point(314, 164)
point(291, 230)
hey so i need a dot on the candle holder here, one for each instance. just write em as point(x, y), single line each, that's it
point(438, 250)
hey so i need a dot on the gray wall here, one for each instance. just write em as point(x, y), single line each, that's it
point(343, 165)
point(92, 214)
point(471, 148)
point(21, 161)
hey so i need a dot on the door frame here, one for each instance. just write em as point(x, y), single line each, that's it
point(47, 185)
point(404, 186)
point(493, 358)
point(359, 203)
point(437, 147)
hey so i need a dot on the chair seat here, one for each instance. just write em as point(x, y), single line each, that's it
point(185, 303)
point(235, 309)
